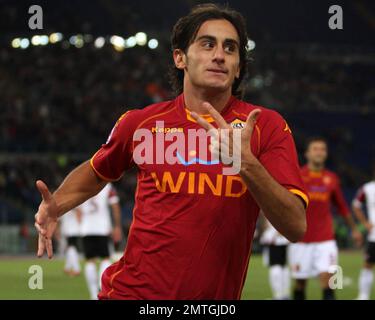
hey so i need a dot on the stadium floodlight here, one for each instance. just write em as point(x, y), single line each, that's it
point(72, 40)
point(77, 41)
point(44, 40)
point(99, 42)
point(141, 38)
point(24, 43)
point(153, 44)
point(55, 37)
point(16, 42)
point(131, 42)
point(250, 45)
point(117, 41)
point(35, 40)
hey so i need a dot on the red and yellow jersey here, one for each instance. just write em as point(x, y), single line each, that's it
point(324, 190)
point(192, 226)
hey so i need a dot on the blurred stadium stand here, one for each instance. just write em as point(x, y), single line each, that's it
point(58, 102)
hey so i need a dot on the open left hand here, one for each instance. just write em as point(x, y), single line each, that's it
point(46, 220)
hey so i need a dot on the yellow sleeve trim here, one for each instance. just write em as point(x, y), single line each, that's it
point(301, 194)
point(98, 173)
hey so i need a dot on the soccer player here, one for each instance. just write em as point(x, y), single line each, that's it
point(96, 229)
point(366, 194)
point(193, 225)
point(275, 256)
point(70, 226)
point(317, 254)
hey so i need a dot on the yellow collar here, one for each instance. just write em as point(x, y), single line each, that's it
point(206, 117)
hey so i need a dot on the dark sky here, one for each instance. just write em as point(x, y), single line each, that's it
point(275, 20)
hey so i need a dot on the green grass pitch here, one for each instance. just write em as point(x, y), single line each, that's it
point(14, 279)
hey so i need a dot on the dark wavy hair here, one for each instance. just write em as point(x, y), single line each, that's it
point(186, 29)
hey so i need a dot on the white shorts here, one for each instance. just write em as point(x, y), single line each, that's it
point(310, 259)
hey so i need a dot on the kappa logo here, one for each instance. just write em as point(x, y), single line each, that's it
point(238, 124)
point(166, 130)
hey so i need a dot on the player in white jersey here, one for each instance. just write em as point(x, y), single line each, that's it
point(70, 229)
point(366, 194)
point(275, 257)
point(96, 229)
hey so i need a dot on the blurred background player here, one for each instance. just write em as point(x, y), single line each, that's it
point(275, 257)
point(366, 194)
point(70, 226)
point(317, 252)
point(96, 230)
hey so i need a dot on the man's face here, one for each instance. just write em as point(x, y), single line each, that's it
point(317, 153)
point(212, 61)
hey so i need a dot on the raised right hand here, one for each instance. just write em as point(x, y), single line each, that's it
point(46, 220)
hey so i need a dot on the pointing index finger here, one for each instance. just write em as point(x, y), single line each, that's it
point(216, 115)
point(41, 246)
